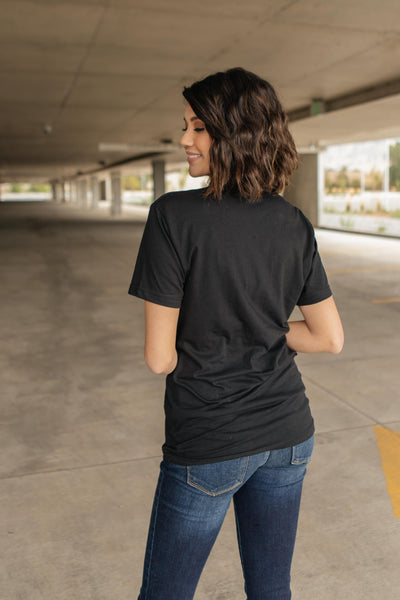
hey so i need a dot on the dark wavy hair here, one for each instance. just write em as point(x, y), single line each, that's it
point(252, 150)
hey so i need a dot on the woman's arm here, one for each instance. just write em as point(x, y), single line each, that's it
point(159, 347)
point(321, 330)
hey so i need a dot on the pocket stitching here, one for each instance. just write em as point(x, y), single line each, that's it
point(197, 486)
point(302, 460)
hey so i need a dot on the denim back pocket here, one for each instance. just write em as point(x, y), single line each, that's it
point(217, 478)
point(301, 454)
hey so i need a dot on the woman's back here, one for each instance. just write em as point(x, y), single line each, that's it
point(236, 270)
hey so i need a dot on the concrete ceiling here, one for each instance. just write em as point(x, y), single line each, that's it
point(112, 71)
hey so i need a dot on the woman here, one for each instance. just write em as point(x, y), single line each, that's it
point(221, 270)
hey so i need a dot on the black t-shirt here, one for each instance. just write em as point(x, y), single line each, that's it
point(236, 270)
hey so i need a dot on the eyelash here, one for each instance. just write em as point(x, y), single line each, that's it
point(196, 129)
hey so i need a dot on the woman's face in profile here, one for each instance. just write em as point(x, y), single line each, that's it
point(196, 141)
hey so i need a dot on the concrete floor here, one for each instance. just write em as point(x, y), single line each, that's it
point(82, 424)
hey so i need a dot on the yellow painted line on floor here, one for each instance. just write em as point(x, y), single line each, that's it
point(385, 300)
point(361, 270)
point(389, 448)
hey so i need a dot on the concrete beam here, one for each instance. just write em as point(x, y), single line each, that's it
point(354, 98)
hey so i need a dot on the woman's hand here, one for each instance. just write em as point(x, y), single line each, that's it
point(321, 330)
point(159, 348)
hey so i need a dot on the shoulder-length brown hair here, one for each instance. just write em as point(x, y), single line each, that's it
point(252, 150)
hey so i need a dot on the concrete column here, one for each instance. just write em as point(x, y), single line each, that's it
point(62, 191)
point(158, 178)
point(304, 186)
point(76, 195)
point(70, 191)
point(116, 202)
point(95, 189)
point(108, 189)
point(88, 191)
point(83, 193)
point(53, 191)
point(79, 192)
point(103, 189)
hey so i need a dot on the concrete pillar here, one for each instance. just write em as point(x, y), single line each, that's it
point(108, 189)
point(304, 186)
point(70, 191)
point(53, 191)
point(60, 191)
point(83, 193)
point(103, 189)
point(158, 178)
point(116, 202)
point(76, 195)
point(88, 191)
point(95, 189)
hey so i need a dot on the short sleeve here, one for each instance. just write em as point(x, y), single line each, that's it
point(316, 287)
point(158, 275)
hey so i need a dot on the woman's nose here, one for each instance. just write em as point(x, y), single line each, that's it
point(186, 139)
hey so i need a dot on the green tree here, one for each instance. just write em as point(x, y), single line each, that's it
point(343, 179)
point(374, 181)
point(355, 181)
point(39, 187)
point(329, 183)
point(394, 168)
point(132, 182)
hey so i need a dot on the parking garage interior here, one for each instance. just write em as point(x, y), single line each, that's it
point(90, 92)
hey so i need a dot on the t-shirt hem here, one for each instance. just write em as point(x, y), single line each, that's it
point(169, 301)
point(315, 298)
point(187, 462)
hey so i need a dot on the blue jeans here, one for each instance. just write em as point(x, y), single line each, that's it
point(189, 508)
